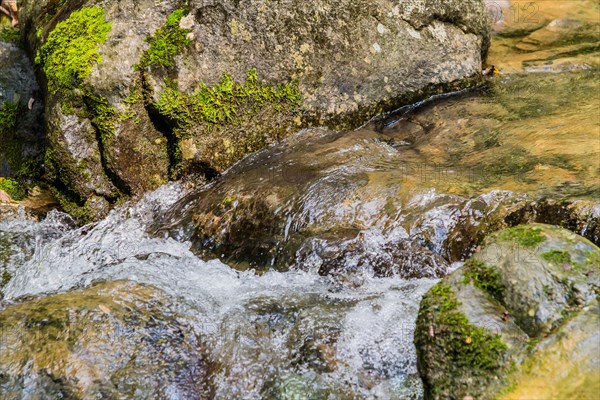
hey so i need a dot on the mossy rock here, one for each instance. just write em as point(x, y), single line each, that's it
point(478, 330)
point(111, 340)
point(564, 366)
point(197, 87)
point(102, 145)
point(544, 271)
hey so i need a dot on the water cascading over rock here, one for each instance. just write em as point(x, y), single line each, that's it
point(148, 91)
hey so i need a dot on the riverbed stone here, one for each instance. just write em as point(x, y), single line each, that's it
point(110, 340)
point(486, 327)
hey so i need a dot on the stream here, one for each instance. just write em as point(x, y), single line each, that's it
point(299, 272)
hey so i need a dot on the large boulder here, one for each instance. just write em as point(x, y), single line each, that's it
point(526, 300)
point(108, 341)
point(139, 92)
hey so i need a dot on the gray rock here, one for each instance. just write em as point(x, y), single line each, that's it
point(349, 61)
point(111, 340)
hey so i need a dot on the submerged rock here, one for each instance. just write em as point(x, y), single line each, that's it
point(372, 253)
point(325, 199)
point(111, 340)
point(137, 103)
point(478, 329)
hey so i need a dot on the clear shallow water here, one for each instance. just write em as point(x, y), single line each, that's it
point(349, 335)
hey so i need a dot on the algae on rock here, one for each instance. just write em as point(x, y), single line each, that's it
point(88, 133)
point(109, 115)
point(167, 42)
point(226, 121)
point(71, 49)
point(525, 287)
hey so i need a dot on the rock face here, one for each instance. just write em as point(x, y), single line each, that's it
point(21, 123)
point(487, 329)
point(118, 336)
point(198, 88)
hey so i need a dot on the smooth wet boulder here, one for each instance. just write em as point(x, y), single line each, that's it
point(485, 329)
point(21, 120)
point(565, 365)
point(111, 340)
point(139, 92)
point(343, 202)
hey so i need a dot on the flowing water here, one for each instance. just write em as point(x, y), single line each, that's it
point(316, 295)
point(255, 325)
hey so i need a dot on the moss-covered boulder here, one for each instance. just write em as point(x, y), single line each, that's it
point(141, 92)
point(109, 341)
point(564, 365)
point(485, 329)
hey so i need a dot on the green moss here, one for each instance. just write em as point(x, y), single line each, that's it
point(133, 99)
point(4, 279)
point(565, 315)
point(485, 278)
point(221, 103)
point(97, 109)
point(557, 257)
point(453, 352)
point(13, 188)
point(82, 214)
point(589, 264)
point(592, 259)
point(135, 95)
point(483, 353)
point(525, 236)
point(50, 167)
point(167, 42)
point(71, 49)
point(10, 35)
point(67, 107)
point(29, 169)
point(11, 145)
point(8, 116)
point(101, 114)
point(228, 201)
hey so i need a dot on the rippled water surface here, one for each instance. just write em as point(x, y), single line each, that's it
point(260, 328)
point(314, 254)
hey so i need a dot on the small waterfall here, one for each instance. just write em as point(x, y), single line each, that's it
point(292, 328)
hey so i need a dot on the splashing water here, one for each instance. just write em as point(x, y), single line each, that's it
point(277, 331)
point(430, 183)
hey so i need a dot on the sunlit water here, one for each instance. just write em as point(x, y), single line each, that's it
point(411, 180)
